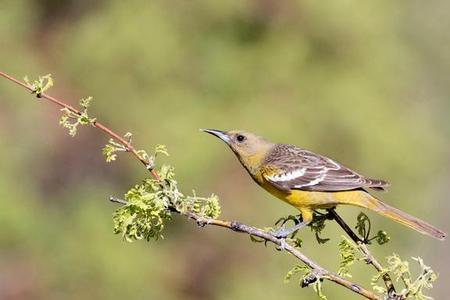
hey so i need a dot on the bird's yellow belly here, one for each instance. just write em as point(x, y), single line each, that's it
point(315, 200)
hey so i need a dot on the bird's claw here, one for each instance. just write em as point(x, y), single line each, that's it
point(281, 232)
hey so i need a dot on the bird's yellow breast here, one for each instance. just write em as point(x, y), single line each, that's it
point(303, 199)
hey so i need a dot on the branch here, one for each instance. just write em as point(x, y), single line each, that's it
point(368, 257)
point(318, 271)
point(127, 145)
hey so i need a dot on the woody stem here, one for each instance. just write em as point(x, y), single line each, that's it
point(370, 259)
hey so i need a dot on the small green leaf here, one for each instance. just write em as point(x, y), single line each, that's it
point(109, 153)
point(347, 251)
point(297, 269)
point(143, 154)
point(256, 239)
point(112, 147)
point(317, 286)
point(305, 279)
point(297, 242)
point(161, 149)
point(42, 84)
point(363, 226)
point(86, 102)
point(382, 237)
point(71, 120)
point(318, 225)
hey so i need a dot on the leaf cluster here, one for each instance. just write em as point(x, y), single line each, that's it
point(317, 225)
point(347, 252)
point(71, 120)
point(364, 226)
point(413, 287)
point(40, 85)
point(151, 204)
point(307, 278)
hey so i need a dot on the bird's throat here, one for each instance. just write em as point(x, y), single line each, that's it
point(252, 162)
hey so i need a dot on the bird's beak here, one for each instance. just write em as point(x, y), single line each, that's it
point(218, 133)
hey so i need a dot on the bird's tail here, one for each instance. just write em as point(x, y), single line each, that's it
point(399, 216)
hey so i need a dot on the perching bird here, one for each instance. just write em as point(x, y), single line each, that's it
point(310, 181)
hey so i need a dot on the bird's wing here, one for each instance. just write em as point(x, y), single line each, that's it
point(288, 167)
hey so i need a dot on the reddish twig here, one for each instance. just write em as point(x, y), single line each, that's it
point(117, 137)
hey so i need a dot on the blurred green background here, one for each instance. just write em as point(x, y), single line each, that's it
point(366, 83)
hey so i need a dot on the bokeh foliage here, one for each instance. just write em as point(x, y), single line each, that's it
point(365, 83)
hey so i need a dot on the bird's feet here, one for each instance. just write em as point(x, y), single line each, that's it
point(282, 232)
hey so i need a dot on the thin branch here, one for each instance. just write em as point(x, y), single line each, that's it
point(128, 146)
point(282, 244)
point(117, 200)
point(368, 257)
point(345, 226)
point(318, 271)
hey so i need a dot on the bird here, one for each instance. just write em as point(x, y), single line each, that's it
point(310, 181)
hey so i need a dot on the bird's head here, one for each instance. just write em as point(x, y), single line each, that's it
point(250, 148)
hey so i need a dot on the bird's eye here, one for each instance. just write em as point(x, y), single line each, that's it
point(240, 138)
